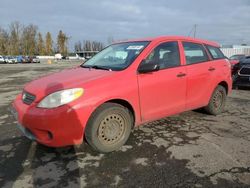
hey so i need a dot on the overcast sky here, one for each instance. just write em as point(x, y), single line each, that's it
point(224, 21)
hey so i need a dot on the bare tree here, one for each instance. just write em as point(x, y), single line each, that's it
point(48, 44)
point(4, 37)
point(40, 45)
point(97, 46)
point(62, 42)
point(92, 46)
point(78, 46)
point(29, 39)
point(87, 45)
point(15, 30)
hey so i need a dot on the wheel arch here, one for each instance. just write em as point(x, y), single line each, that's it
point(126, 104)
point(119, 101)
point(225, 85)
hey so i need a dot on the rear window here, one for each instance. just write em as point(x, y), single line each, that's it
point(215, 52)
point(195, 53)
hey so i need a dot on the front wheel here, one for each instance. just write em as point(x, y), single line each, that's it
point(109, 127)
point(217, 101)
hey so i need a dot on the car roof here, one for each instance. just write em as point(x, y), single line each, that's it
point(162, 38)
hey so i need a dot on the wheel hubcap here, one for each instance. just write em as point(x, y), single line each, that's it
point(111, 129)
point(217, 100)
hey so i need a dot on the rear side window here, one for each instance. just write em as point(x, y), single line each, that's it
point(215, 52)
point(195, 53)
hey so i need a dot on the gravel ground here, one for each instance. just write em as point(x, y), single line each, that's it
point(191, 149)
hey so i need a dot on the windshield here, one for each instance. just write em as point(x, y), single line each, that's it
point(117, 56)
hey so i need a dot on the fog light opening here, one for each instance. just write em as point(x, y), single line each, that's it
point(50, 135)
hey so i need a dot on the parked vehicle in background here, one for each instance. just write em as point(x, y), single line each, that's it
point(26, 59)
point(35, 59)
point(81, 58)
point(58, 56)
point(235, 60)
point(124, 85)
point(10, 59)
point(15, 59)
point(2, 60)
point(5, 58)
point(29, 59)
point(65, 57)
point(20, 59)
point(237, 57)
point(242, 76)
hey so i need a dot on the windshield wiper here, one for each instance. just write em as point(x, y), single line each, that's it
point(96, 67)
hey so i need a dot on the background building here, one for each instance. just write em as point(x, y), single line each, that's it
point(230, 50)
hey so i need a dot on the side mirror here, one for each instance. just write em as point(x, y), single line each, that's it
point(148, 67)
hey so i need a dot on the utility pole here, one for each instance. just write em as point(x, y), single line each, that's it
point(193, 30)
point(195, 27)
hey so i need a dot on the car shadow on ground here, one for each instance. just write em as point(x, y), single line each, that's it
point(143, 162)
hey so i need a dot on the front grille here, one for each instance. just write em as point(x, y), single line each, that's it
point(28, 98)
point(243, 80)
point(245, 71)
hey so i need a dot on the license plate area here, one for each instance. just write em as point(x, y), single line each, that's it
point(24, 130)
point(14, 112)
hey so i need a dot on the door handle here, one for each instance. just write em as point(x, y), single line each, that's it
point(211, 69)
point(181, 74)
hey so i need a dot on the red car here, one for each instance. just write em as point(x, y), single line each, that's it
point(124, 85)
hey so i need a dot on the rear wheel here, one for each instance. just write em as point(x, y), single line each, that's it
point(109, 127)
point(217, 101)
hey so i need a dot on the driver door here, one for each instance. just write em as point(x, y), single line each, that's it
point(163, 92)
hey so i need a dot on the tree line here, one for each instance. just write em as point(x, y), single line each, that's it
point(19, 39)
point(88, 45)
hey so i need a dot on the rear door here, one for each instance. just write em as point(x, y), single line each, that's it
point(199, 71)
point(163, 92)
point(219, 62)
point(222, 66)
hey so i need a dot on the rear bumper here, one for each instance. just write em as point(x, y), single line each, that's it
point(56, 127)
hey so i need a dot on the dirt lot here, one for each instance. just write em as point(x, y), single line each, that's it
point(188, 150)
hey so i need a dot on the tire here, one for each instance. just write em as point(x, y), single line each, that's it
point(109, 127)
point(217, 101)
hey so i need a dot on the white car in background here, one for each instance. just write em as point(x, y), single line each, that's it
point(58, 56)
point(35, 59)
point(11, 59)
point(2, 60)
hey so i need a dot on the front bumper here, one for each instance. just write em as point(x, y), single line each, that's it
point(26, 132)
point(56, 127)
point(242, 81)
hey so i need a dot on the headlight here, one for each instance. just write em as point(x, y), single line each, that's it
point(60, 98)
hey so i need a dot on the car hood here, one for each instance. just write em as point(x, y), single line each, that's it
point(65, 79)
